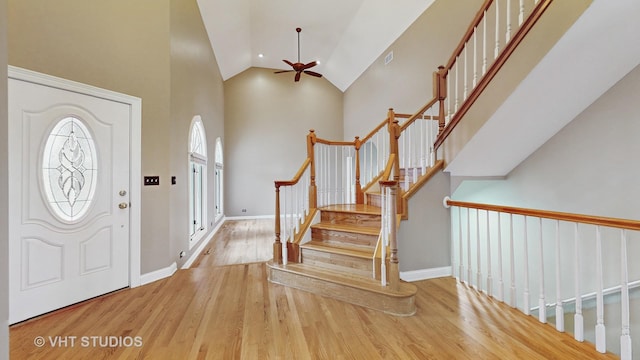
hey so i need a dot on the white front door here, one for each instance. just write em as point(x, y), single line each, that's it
point(69, 197)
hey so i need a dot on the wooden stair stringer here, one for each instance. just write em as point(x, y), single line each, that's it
point(351, 289)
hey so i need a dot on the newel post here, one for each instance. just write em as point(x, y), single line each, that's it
point(313, 193)
point(394, 271)
point(359, 193)
point(440, 90)
point(394, 135)
point(395, 132)
point(277, 245)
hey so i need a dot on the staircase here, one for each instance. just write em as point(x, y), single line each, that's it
point(350, 252)
point(340, 262)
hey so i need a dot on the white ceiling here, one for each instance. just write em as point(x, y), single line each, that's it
point(346, 36)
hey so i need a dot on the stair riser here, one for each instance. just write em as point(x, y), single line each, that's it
point(399, 306)
point(342, 237)
point(374, 199)
point(336, 217)
point(338, 262)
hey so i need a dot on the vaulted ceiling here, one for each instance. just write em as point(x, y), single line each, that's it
point(345, 36)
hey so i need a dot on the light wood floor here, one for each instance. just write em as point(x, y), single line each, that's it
point(233, 312)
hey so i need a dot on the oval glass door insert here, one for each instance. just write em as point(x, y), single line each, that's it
point(69, 169)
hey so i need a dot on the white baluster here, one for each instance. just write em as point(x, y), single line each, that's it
point(448, 117)
point(601, 341)
point(527, 308)
point(625, 337)
point(460, 247)
point(336, 166)
point(475, 56)
point(478, 253)
point(468, 247)
point(559, 309)
point(466, 65)
point(296, 201)
point(500, 277)
point(496, 50)
point(521, 13)
point(457, 66)
point(513, 301)
point(578, 318)
point(424, 143)
point(285, 253)
point(542, 305)
point(484, 43)
point(385, 235)
point(406, 156)
point(508, 34)
point(489, 278)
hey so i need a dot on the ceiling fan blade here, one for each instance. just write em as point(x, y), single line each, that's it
point(309, 65)
point(282, 71)
point(288, 62)
point(312, 73)
point(297, 78)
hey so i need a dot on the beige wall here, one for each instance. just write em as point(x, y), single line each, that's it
point(4, 206)
point(405, 84)
point(121, 46)
point(267, 118)
point(196, 89)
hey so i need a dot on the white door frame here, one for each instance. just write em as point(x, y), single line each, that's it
point(135, 180)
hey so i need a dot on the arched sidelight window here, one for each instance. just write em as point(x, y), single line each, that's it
point(197, 181)
point(219, 181)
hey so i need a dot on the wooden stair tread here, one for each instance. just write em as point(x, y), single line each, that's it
point(367, 230)
point(343, 249)
point(368, 284)
point(353, 208)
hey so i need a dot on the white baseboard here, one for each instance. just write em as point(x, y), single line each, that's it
point(250, 217)
point(202, 245)
point(158, 274)
point(425, 274)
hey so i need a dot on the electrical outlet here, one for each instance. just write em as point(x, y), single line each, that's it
point(182, 254)
point(244, 210)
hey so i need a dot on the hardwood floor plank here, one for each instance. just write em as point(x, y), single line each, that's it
point(220, 311)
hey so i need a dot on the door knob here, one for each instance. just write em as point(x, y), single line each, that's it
point(123, 205)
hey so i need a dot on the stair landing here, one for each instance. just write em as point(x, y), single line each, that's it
point(353, 289)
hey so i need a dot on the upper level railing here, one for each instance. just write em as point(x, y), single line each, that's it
point(495, 32)
point(566, 257)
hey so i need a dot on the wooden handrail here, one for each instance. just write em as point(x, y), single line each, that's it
point(403, 116)
point(335, 143)
point(493, 69)
point(467, 35)
point(388, 168)
point(418, 113)
point(375, 130)
point(555, 215)
point(296, 177)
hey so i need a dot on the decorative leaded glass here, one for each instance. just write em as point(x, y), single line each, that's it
point(197, 144)
point(69, 169)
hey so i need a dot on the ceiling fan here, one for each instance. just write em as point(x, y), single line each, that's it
point(299, 67)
